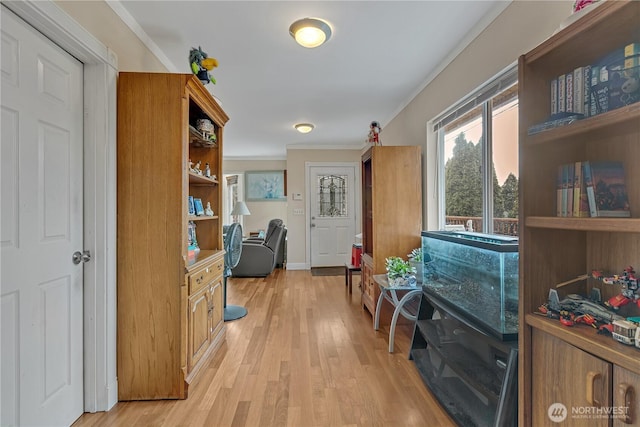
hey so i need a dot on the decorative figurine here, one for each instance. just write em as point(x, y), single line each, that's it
point(374, 131)
point(630, 290)
point(208, 211)
point(201, 65)
point(624, 331)
point(191, 169)
point(196, 168)
point(207, 170)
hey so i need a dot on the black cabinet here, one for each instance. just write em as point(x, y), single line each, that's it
point(472, 374)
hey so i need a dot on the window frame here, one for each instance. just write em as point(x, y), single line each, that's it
point(482, 96)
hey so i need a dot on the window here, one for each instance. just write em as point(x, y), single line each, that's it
point(231, 196)
point(332, 196)
point(478, 159)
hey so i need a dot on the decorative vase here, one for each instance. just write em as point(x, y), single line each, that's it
point(418, 267)
point(406, 280)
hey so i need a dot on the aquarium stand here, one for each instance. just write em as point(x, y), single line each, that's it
point(473, 374)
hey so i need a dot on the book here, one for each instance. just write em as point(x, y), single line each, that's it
point(600, 91)
point(561, 93)
point(588, 183)
point(554, 96)
point(565, 183)
point(556, 120)
point(192, 207)
point(198, 206)
point(609, 189)
point(580, 201)
point(586, 82)
point(570, 176)
point(568, 97)
point(559, 191)
point(578, 90)
point(577, 177)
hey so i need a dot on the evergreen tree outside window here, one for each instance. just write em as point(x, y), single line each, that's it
point(478, 159)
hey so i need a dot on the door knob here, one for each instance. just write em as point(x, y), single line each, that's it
point(79, 257)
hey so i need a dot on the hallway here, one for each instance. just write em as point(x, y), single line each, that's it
point(305, 355)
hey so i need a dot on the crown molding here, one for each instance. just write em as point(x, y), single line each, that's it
point(134, 26)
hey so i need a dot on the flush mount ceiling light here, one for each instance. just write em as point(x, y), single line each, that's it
point(304, 127)
point(310, 32)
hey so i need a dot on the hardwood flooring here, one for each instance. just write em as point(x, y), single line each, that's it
point(305, 355)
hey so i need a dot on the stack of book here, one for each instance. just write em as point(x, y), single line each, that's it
point(592, 189)
point(589, 90)
point(597, 88)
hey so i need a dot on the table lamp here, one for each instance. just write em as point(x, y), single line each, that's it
point(240, 208)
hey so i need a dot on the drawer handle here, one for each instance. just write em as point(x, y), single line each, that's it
point(592, 377)
point(206, 270)
point(627, 395)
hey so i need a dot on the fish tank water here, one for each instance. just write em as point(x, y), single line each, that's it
point(476, 276)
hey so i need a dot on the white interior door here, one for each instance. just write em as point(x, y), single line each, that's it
point(41, 227)
point(332, 213)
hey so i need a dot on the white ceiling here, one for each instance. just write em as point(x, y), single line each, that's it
point(381, 54)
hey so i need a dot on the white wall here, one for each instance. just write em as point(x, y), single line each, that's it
point(261, 212)
point(105, 25)
point(296, 224)
point(519, 28)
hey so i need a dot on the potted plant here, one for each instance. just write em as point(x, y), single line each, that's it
point(400, 272)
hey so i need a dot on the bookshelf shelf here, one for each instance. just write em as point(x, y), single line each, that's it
point(202, 217)
point(611, 123)
point(621, 225)
point(194, 178)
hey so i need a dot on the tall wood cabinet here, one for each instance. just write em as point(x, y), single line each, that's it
point(391, 211)
point(574, 366)
point(170, 302)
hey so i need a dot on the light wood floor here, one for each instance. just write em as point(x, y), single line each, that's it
point(305, 355)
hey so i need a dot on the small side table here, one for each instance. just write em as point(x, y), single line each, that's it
point(389, 293)
point(348, 275)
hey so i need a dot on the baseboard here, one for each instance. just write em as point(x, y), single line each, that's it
point(297, 266)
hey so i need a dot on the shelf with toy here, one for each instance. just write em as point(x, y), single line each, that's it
point(201, 138)
point(587, 338)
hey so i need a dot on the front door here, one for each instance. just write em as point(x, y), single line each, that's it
point(42, 226)
point(332, 212)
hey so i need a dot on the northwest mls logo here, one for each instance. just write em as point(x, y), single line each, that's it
point(557, 412)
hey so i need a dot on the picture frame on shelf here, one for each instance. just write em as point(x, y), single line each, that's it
point(192, 207)
point(198, 207)
point(264, 186)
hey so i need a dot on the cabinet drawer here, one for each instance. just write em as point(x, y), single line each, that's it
point(198, 279)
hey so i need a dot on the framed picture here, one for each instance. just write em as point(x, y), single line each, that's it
point(191, 234)
point(198, 206)
point(266, 186)
point(192, 207)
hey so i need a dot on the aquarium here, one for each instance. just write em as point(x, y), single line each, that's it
point(476, 276)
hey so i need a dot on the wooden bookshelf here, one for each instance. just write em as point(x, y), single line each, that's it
point(556, 361)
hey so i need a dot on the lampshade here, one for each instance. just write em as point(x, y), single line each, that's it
point(310, 32)
point(240, 208)
point(304, 127)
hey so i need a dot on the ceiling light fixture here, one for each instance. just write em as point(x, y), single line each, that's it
point(304, 127)
point(310, 32)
